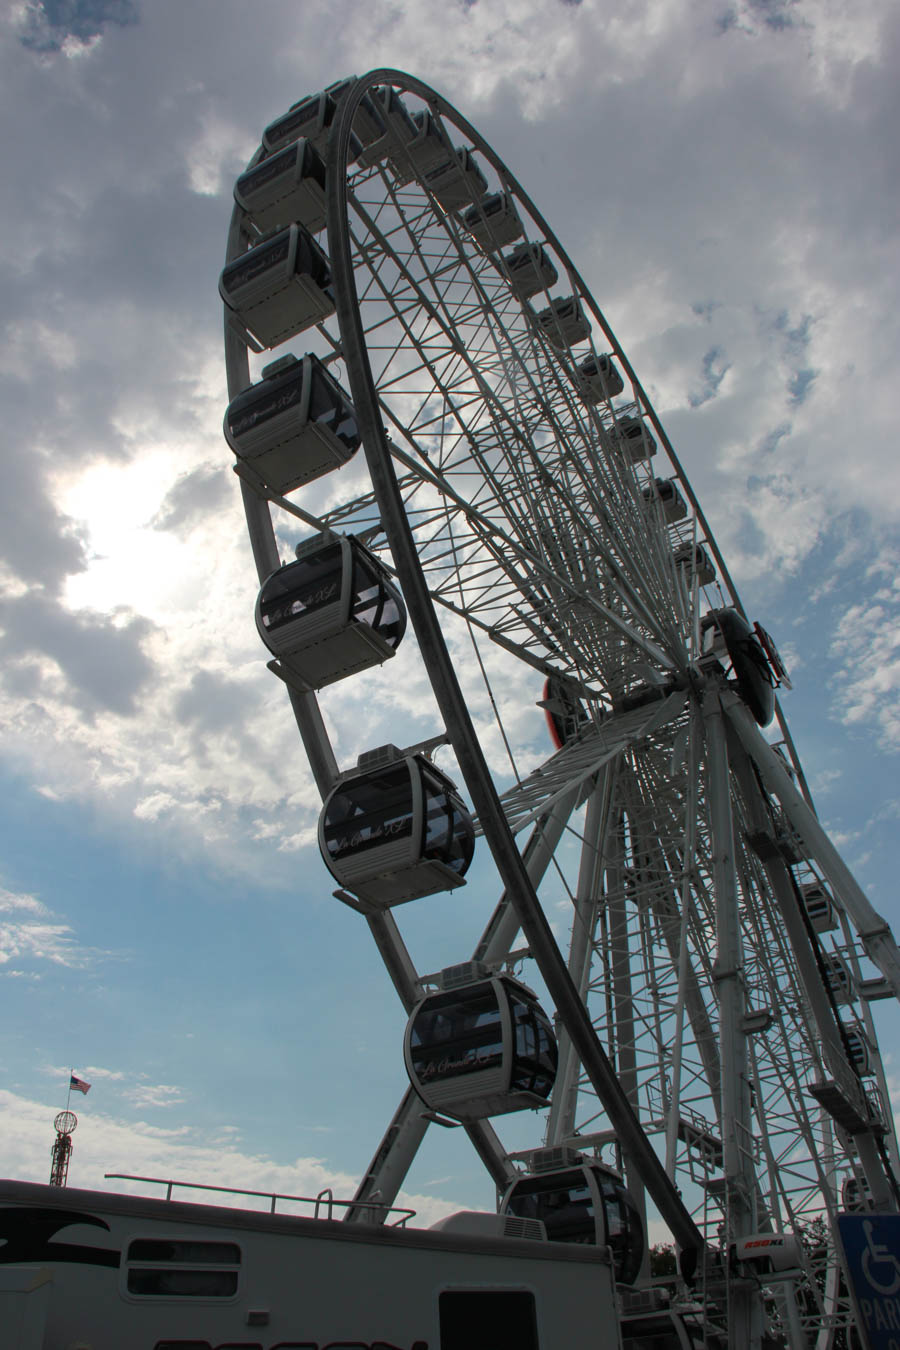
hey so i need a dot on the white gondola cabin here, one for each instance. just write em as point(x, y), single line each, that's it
point(583, 1202)
point(280, 287)
point(368, 123)
point(481, 1049)
point(728, 635)
point(332, 613)
point(312, 117)
point(399, 131)
point(530, 270)
point(457, 182)
point(692, 560)
point(859, 1050)
point(838, 977)
point(430, 145)
point(665, 492)
point(494, 222)
point(287, 186)
point(630, 435)
point(819, 906)
point(599, 379)
point(396, 831)
point(564, 323)
point(294, 425)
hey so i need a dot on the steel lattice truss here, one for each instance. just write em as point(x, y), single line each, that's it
point(537, 526)
point(528, 517)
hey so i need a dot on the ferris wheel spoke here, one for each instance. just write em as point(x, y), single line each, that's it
point(579, 761)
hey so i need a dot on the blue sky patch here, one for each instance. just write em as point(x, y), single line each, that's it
point(50, 22)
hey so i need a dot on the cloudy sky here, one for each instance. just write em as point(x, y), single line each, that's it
point(724, 174)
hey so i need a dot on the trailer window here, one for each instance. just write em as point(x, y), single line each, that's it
point(179, 1268)
point(487, 1319)
point(193, 1253)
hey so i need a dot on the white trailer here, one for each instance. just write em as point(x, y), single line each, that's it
point(98, 1271)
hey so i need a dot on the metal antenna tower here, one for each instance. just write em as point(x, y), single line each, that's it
point(64, 1123)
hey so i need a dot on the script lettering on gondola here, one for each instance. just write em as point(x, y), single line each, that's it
point(263, 409)
point(467, 1063)
point(370, 835)
point(319, 597)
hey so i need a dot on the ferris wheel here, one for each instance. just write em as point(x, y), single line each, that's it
point(713, 1057)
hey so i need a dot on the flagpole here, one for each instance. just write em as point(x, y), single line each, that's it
point(69, 1093)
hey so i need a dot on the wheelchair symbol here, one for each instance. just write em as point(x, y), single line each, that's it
point(878, 1255)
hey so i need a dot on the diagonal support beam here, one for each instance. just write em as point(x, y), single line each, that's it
point(874, 931)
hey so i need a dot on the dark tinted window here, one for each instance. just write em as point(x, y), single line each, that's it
point(534, 1068)
point(488, 1319)
point(270, 168)
point(449, 835)
point(302, 587)
point(457, 1033)
point(625, 1231)
point(375, 601)
point(330, 407)
point(369, 811)
point(266, 400)
point(311, 261)
point(183, 1283)
point(563, 1201)
point(302, 120)
point(188, 1253)
point(258, 260)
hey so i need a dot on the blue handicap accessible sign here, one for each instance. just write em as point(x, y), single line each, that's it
point(872, 1247)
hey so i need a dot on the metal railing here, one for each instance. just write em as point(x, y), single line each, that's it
point(323, 1201)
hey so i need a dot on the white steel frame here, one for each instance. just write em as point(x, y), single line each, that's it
point(694, 1006)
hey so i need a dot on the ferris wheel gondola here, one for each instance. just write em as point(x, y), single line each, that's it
point(529, 490)
point(332, 613)
point(481, 1048)
point(293, 426)
point(396, 831)
point(581, 1202)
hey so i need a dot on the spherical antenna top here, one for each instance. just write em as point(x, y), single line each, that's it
point(65, 1122)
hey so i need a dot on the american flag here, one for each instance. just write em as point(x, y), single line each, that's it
point(77, 1084)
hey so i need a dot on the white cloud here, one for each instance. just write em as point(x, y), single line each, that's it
point(665, 221)
point(155, 1094)
point(106, 1143)
point(867, 645)
point(34, 937)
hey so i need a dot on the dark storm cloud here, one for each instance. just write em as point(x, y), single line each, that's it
point(37, 542)
point(211, 703)
point(49, 22)
point(104, 664)
point(215, 711)
point(193, 497)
